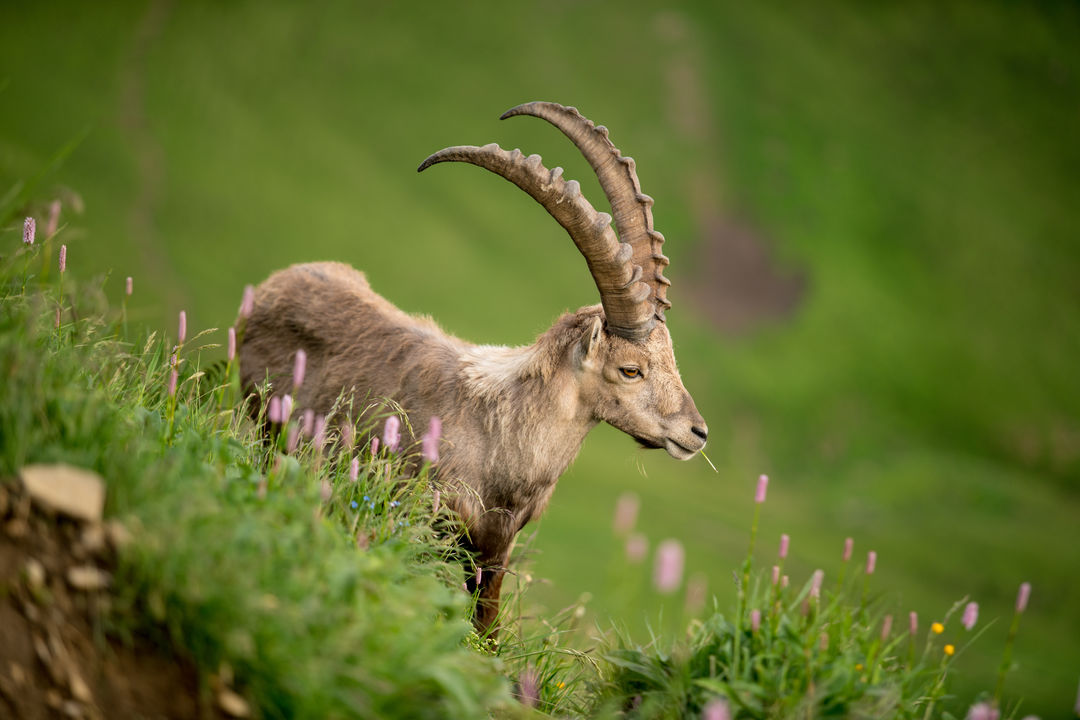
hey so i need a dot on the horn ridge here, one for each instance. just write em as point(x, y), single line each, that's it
point(631, 208)
point(610, 260)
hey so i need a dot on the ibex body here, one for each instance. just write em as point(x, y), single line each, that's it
point(513, 418)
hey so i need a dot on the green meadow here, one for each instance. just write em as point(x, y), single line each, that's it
point(903, 364)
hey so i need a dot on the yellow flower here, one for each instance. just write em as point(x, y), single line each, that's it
point(858, 666)
point(561, 684)
point(949, 650)
point(938, 628)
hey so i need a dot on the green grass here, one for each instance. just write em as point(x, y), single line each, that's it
point(917, 162)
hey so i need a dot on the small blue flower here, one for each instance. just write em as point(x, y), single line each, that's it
point(394, 503)
point(366, 498)
point(372, 506)
point(354, 504)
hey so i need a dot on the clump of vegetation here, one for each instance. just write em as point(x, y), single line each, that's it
point(303, 568)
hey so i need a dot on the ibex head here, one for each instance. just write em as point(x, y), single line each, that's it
point(626, 366)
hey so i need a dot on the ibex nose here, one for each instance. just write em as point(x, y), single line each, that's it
point(702, 432)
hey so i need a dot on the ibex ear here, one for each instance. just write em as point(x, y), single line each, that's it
point(590, 339)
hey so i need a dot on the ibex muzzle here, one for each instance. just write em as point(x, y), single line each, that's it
point(513, 418)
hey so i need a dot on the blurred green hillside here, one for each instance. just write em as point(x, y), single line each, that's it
point(870, 212)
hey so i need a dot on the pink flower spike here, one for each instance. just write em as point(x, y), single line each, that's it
point(815, 583)
point(293, 440)
point(348, 436)
point(181, 330)
point(273, 410)
point(29, 230)
point(429, 446)
point(286, 408)
point(982, 711)
point(309, 422)
point(775, 574)
point(354, 469)
point(886, 627)
point(528, 685)
point(971, 615)
point(172, 382)
point(668, 571)
point(435, 497)
point(716, 709)
point(299, 366)
point(374, 446)
point(129, 285)
point(755, 620)
point(63, 258)
point(391, 437)
point(247, 303)
point(231, 354)
point(326, 490)
point(785, 541)
point(913, 622)
point(318, 438)
point(762, 486)
point(637, 547)
point(784, 581)
point(54, 218)
point(849, 545)
point(1022, 597)
point(871, 562)
point(626, 512)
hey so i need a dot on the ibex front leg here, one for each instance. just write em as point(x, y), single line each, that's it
point(490, 541)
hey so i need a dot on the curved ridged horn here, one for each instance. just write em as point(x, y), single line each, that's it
point(631, 208)
point(624, 296)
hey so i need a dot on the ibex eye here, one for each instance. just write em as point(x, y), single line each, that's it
point(630, 372)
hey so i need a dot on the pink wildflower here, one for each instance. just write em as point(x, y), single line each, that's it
point(354, 469)
point(637, 547)
point(762, 486)
point(319, 433)
point(528, 684)
point(29, 230)
point(348, 436)
point(129, 285)
point(273, 411)
point(668, 571)
point(716, 709)
point(626, 512)
point(54, 218)
point(231, 354)
point(775, 574)
point(247, 303)
point(181, 330)
point(392, 433)
point(374, 446)
point(309, 422)
point(849, 545)
point(871, 562)
point(815, 583)
point(430, 442)
point(1022, 597)
point(913, 622)
point(293, 439)
point(971, 615)
point(299, 367)
point(286, 408)
point(784, 581)
point(63, 258)
point(755, 620)
point(326, 490)
point(172, 382)
point(785, 541)
point(983, 711)
point(886, 627)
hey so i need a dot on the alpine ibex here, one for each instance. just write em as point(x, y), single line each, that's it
point(513, 418)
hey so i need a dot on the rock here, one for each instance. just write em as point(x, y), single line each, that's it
point(119, 536)
point(87, 577)
point(18, 675)
point(16, 528)
point(79, 689)
point(35, 574)
point(65, 489)
point(232, 704)
point(93, 539)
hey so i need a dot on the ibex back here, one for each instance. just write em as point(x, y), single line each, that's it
point(513, 419)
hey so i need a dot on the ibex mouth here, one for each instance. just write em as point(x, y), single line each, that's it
point(647, 443)
point(680, 451)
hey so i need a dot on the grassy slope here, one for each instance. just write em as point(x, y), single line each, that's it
point(918, 164)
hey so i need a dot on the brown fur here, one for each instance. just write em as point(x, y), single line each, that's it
point(513, 418)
